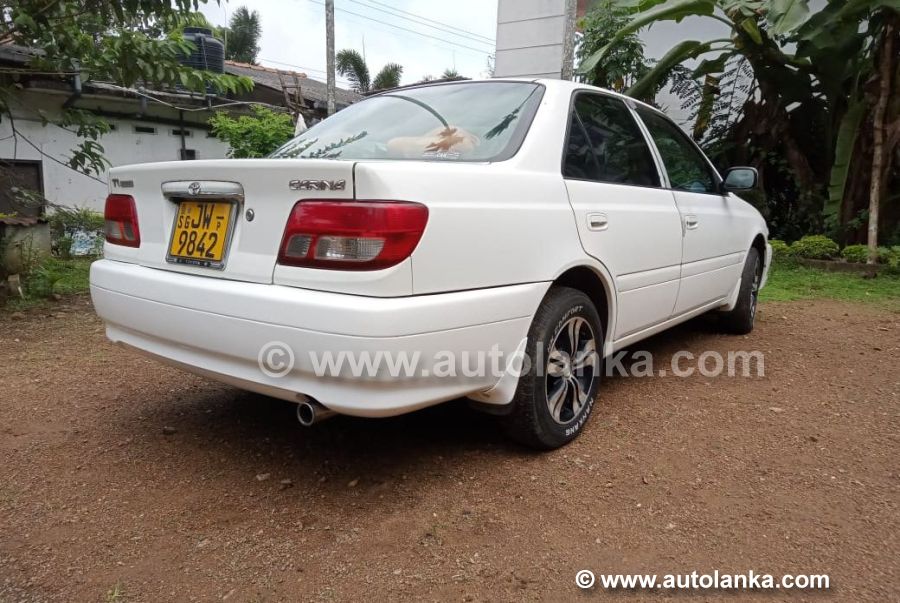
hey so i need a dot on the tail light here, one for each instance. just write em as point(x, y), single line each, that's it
point(352, 235)
point(121, 221)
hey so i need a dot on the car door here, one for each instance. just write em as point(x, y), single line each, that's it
point(713, 252)
point(625, 218)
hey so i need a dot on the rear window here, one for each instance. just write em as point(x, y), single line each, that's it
point(478, 121)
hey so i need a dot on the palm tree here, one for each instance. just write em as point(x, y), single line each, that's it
point(388, 77)
point(352, 66)
point(244, 31)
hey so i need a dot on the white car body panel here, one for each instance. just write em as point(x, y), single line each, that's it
point(498, 235)
point(473, 244)
point(646, 275)
point(712, 256)
point(219, 326)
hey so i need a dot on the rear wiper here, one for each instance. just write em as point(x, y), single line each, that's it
point(425, 106)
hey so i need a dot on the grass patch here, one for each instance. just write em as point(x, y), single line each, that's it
point(62, 276)
point(53, 276)
point(789, 283)
point(115, 594)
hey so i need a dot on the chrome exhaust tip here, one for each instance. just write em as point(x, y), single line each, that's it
point(310, 412)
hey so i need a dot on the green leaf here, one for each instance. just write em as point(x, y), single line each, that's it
point(710, 66)
point(749, 26)
point(786, 16)
point(388, 77)
point(672, 10)
point(746, 8)
point(853, 8)
point(682, 51)
point(836, 15)
point(843, 154)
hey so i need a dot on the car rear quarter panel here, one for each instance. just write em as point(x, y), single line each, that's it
point(489, 225)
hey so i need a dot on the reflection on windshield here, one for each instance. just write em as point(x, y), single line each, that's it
point(458, 122)
point(329, 151)
point(440, 143)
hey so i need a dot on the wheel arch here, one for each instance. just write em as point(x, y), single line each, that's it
point(598, 287)
point(759, 243)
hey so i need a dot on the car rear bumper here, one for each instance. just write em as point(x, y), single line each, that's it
point(244, 334)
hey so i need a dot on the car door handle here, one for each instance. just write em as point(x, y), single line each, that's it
point(597, 222)
point(691, 222)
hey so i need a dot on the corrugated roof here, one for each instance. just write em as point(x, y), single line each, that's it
point(310, 88)
point(24, 221)
point(20, 55)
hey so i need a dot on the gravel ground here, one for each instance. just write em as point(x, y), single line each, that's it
point(125, 480)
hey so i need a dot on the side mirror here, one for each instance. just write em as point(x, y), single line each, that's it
point(741, 179)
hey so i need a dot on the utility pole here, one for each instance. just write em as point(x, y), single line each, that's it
point(329, 50)
point(568, 65)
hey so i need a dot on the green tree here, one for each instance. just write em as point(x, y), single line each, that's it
point(352, 65)
point(128, 42)
point(623, 64)
point(251, 136)
point(242, 36)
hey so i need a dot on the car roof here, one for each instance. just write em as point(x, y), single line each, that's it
point(547, 82)
point(564, 84)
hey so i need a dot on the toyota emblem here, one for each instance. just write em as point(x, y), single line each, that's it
point(194, 188)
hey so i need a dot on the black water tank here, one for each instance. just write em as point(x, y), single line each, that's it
point(208, 54)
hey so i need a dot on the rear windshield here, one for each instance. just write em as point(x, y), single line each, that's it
point(478, 121)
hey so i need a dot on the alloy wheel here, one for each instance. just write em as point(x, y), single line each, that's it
point(572, 366)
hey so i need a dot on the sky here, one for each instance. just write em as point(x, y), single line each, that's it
point(294, 34)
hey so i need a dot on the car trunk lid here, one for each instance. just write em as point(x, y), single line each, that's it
point(221, 218)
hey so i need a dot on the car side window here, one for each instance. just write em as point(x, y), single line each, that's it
point(606, 145)
point(687, 168)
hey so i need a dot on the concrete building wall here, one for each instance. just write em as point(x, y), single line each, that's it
point(122, 146)
point(530, 35)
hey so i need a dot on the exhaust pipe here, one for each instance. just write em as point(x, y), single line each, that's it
point(310, 412)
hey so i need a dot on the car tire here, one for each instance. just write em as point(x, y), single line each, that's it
point(555, 393)
point(739, 321)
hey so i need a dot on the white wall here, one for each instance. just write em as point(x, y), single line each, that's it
point(123, 146)
point(530, 35)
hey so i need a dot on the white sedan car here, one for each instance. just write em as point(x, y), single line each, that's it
point(370, 265)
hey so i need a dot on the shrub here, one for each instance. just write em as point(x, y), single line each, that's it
point(858, 254)
point(894, 258)
point(254, 135)
point(43, 280)
point(815, 247)
point(76, 231)
point(53, 275)
point(68, 220)
point(64, 247)
point(781, 251)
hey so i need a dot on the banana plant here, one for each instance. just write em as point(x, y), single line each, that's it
point(747, 21)
point(839, 42)
point(816, 60)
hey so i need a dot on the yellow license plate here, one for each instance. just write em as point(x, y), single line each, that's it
point(201, 231)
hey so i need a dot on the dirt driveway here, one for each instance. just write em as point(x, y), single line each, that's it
point(124, 480)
